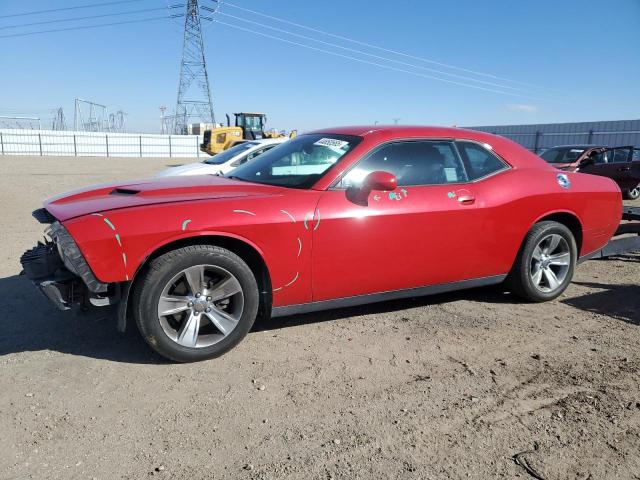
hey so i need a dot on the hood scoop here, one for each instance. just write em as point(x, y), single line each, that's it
point(152, 191)
point(124, 191)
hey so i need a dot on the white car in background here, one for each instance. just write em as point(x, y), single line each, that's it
point(225, 161)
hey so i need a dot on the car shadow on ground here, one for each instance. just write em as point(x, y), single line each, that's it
point(617, 301)
point(30, 323)
point(492, 294)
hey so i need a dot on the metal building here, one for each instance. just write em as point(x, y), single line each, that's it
point(539, 137)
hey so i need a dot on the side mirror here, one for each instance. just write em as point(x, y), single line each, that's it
point(380, 180)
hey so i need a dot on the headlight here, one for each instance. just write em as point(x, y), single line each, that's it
point(67, 248)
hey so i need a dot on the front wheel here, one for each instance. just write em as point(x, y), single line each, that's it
point(545, 263)
point(195, 303)
point(632, 194)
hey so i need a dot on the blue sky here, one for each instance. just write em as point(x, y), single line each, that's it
point(581, 56)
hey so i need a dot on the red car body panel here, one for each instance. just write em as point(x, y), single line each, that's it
point(319, 245)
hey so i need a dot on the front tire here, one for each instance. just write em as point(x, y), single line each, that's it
point(195, 302)
point(545, 263)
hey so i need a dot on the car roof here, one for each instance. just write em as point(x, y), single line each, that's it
point(362, 130)
point(391, 132)
point(408, 131)
point(515, 154)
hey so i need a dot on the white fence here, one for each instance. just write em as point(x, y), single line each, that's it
point(97, 144)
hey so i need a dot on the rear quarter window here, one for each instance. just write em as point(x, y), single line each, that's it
point(479, 161)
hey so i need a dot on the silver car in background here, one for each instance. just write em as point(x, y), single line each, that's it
point(227, 160)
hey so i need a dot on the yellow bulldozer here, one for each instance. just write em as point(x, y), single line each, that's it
point(248, 126)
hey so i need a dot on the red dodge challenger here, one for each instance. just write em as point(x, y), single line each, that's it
point(333, 218)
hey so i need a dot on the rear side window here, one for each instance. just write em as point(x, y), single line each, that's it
point(619, 155)
point(414, 162)
point(480, 162)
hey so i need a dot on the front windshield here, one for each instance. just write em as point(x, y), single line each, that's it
point(225, 156)
point(297, 163)
point(563, 154)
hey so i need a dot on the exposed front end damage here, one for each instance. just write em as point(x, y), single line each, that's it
point(59, 270)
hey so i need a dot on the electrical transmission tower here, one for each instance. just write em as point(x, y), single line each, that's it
point(194, 96)
point(59, 122)
point(90, 116)
point(162, 123)
point(117, 122)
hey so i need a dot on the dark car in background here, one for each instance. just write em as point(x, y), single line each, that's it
point(622, 164)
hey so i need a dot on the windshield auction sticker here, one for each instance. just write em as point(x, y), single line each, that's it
point(331, 142)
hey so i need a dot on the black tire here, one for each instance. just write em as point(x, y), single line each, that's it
point(161, 270)
point(632, 194)
point(520, 281)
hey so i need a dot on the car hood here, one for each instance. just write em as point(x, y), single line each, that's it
point(198, 168)
point(114, 196)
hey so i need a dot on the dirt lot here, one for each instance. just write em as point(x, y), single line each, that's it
point(450, 386)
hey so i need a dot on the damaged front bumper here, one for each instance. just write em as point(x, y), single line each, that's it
point(59, 270)
point(44, 267)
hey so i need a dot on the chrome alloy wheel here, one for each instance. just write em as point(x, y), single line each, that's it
point(200, 306)
point(634, 193)
point(550, 263)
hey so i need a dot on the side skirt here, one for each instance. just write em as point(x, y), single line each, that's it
point(384, 296)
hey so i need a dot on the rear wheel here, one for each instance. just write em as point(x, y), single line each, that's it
point(196, 302)
point(632, 194)
point(545, 263)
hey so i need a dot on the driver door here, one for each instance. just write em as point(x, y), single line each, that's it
point(419, 234)
point(614, 163)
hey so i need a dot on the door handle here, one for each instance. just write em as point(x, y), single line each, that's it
point(466, 199)
point(624, 169)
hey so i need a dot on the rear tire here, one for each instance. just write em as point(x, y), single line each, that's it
point(545, 263)
point(195, 302)
point(632, 194)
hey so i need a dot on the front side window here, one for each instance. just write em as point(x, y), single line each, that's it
point(412, 162)
point(297, 163)
point(253, 123)
point(599, 158)
point(258, 152)
point(225, 156)
point(480, 162)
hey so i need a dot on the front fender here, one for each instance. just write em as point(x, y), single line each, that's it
point(116, 243)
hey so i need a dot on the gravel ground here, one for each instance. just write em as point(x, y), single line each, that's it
point(444, 387)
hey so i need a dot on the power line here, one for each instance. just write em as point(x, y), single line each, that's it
point(37, 12)
point(360, 52)
point(87, 26)
point(369, 45)
point(71, 19)
point(348, 57)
